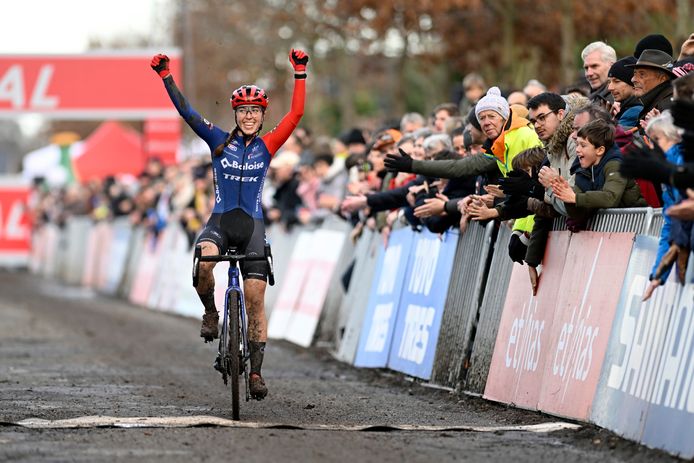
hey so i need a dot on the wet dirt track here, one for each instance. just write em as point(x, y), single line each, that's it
point(67, 353)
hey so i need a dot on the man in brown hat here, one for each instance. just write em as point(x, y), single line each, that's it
point(652, 76)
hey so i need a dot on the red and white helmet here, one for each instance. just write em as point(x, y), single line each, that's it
point(249, 95)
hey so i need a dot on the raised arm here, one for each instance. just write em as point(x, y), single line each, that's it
point(277, 136)
point(204, 129)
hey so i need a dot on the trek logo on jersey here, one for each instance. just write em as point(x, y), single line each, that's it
point(247, 166)
point(238, 178)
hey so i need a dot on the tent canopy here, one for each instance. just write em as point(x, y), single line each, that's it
point(110, 150)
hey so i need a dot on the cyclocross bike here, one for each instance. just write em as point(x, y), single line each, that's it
point(233, 355)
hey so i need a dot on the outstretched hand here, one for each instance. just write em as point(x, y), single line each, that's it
point(640, 161)
point(160, 64)
point(399, 162)
point(520, 183)
point(298, 59)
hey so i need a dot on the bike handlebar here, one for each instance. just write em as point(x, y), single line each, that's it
point(229, 258)
point(198, 257)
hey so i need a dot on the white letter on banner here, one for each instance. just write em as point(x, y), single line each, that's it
point(415, 336)
point(12, 86)
point(424, 268)
point(376, 341)
point(14, 229)
point(626, 333)
point(511, 342)
point(39, 99)
point(638, 351)
point(391, 262)
point(665, 386)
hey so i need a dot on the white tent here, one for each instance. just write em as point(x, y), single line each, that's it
point(45, 162)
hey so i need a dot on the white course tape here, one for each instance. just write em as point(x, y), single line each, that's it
point(202, 420)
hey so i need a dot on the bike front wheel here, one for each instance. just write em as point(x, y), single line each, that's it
point(233, 357)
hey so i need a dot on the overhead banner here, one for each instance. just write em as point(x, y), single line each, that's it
point(15, 226)
point(646, 390)
point(99, 85)
point(522, 343)
point(421, 306)
point(384, 299)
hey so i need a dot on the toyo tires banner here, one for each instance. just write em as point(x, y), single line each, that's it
point(384, 299)
point(422, 302)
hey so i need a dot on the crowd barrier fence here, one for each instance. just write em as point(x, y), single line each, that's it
point(452, 310)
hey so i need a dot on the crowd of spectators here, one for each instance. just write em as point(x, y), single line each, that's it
point(622, 137)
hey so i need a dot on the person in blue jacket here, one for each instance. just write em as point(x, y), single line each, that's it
point(672, 248)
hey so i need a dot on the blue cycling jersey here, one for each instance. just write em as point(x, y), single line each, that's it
point(239, 172)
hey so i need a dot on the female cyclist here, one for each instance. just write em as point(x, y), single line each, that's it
point(240, 161)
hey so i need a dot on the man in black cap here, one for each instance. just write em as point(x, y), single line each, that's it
point(627, 107)
point(652, 76)
point(354, 141)
point(653, 42)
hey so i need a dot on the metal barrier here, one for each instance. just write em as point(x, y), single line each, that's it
point(646, 221)
point(462, 304)
point(489, 314)
point(640, 220)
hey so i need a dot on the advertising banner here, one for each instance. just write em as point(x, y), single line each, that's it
point(586, 304)
point(384, 300)
point(522, 342)
point(112, 85)
point(116, 260)
point(646, 391)
point(421, 306)
point(291, 286)
point(15, 226)
point(324, 252)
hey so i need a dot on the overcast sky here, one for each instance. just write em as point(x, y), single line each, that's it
point(65, 26)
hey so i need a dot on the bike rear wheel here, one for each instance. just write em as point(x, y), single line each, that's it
point(233, 359)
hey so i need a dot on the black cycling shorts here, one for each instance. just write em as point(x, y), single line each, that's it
point(237, 230)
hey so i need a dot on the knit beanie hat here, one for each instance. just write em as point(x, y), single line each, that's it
point(621, 72)
point(493, 101)
point(653, 42)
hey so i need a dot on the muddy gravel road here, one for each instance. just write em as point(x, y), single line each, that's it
point(67, 354)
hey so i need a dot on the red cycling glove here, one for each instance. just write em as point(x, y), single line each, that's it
point(298, 59)
point(160, 64)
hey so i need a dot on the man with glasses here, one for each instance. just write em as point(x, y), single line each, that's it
point(240, 161)
point(548, 114)
point(554, 123)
